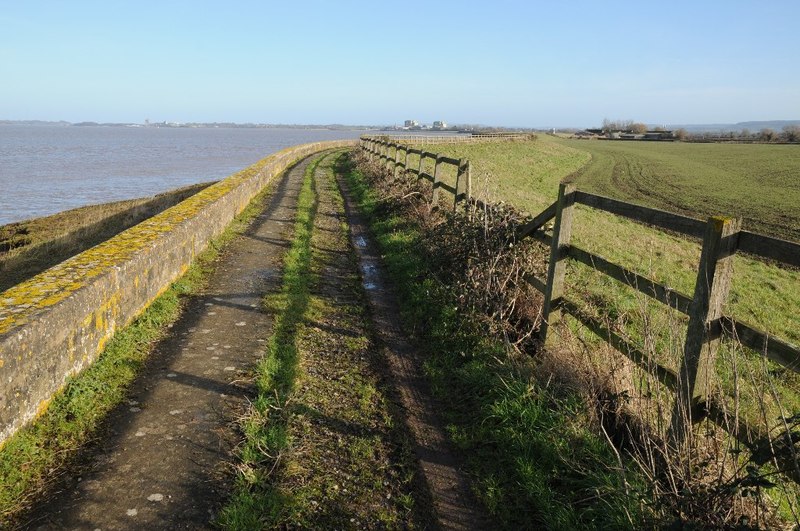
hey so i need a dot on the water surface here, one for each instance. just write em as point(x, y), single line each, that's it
point(45, 169)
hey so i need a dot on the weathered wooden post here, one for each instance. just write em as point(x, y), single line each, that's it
point(468, 189)
point(461, 182)
point(389, 157)
point(421, 163)
point(405, 162)
point(557, 267)
point(396, 160)
point(436, 178)
point(695, 379)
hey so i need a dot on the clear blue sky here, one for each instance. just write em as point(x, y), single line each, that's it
point(495, 62)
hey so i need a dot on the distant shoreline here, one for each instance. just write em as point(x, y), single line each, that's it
point(194, 125)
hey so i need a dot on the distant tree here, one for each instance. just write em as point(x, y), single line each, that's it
point(767, 135)
point(638, 128)
point(791, 133)
point(618, 125)
point(744, 134)
point(681, 134)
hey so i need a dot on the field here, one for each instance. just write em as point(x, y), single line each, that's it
point(758, 182)
point(693, 179)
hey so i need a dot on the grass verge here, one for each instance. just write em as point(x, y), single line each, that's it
point(321, 449)
point(33, 458)
point(534, 456)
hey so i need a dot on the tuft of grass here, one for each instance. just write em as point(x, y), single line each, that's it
point(534, 459)
point(32, 458)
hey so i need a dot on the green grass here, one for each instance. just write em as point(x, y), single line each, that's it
point(255, 500)
point(533, 456)
point(31, 458)
point(757, 182)
point(321, 447)
point(670, 176)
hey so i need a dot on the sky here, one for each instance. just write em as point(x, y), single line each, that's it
point(493, 62)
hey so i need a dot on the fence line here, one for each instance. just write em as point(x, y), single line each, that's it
point(449, 139)
point(721, 238)
point(381, 149)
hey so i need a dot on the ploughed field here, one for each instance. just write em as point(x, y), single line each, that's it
point(760, 183)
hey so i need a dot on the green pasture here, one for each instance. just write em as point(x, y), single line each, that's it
point(760, 183)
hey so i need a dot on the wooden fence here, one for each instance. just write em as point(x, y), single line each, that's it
point(721, 239)
point(449, 139)
point(390, 152)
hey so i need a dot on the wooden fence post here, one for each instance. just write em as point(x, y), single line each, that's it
point(405, 162)
point(468, 187)
point(703, 332)
point(436, 178)
point(421, 165)
point(396, 160)
point(461, 182)
point(556, 268)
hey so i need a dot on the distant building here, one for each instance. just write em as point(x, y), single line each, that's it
point(410, 124)
point(439, 125)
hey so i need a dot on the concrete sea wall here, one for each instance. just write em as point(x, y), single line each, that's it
point(57, 323)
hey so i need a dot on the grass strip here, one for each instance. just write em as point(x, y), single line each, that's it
point(533, 456)
point(255, 500)
point(33, 458)
point(326, 453)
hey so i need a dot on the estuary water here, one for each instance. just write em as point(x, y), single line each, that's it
point(46, 169)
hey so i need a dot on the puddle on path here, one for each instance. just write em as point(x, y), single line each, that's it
point(370, 274)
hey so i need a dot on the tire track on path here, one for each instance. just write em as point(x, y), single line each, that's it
point(454, 504)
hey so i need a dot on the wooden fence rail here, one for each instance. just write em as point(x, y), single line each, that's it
point(721, 239)
point(395, 156)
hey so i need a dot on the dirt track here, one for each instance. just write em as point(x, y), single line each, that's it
point(165, 459)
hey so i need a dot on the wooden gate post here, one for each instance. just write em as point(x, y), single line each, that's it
point(436, 178)
point(556, 268)
point(695, 379)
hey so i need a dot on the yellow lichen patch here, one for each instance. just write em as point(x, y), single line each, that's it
point(2, 363)
point(42, 407)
